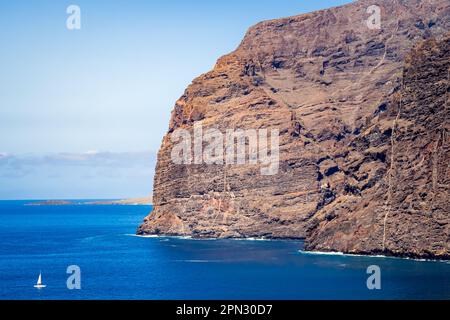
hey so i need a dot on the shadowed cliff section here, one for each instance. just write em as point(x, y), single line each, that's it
point(328, 84)
point(405, 209)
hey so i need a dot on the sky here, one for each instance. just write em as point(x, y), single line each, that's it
point(83, 112)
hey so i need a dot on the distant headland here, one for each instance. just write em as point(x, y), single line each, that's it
point(132, 201)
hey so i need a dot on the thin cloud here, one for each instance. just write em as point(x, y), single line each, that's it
point(20, 165)
point(85, 175)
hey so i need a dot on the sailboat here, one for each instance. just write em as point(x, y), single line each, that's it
point(39, 284)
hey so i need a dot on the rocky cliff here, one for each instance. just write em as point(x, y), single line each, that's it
point(404, 208)
point(363, 133)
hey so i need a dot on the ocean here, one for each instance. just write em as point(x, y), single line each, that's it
point(115, 264)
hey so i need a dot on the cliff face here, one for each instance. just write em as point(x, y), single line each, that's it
point(405, 209)
point(363, 159)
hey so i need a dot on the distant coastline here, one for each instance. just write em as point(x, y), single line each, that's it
point(145, 201)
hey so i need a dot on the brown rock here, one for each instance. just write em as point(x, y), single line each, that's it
point(328, 84)
point(405, 210)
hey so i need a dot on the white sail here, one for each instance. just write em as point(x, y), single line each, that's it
point(39, 284)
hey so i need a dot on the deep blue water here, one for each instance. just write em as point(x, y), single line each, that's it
point(116, 265)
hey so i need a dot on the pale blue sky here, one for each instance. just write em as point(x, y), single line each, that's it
point(108, 87)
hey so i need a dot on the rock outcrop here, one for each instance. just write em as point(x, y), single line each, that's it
point(363, 123)
point(403, 209)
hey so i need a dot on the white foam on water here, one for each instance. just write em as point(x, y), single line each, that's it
point(140, 236)
point(199, 261)
point(321, 253)
point(161, 237)
point(338, 253)
point(199, 239)
point(250, 239)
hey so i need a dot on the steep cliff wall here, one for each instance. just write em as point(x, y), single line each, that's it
point(405, 209)
point(328, 83)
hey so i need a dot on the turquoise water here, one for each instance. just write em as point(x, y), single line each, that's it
point(117, 265)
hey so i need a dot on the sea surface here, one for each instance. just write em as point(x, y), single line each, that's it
point(115, 264)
